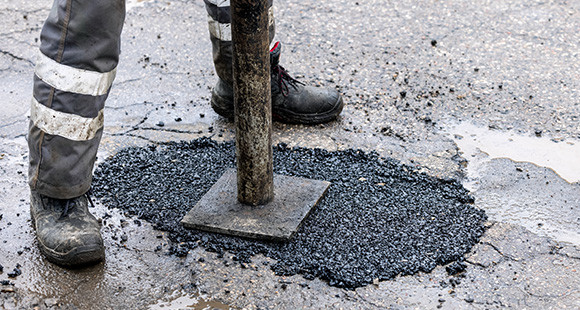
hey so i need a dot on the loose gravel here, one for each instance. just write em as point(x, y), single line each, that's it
point(379, 218)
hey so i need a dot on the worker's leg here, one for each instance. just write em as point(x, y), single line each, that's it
point(79, 52)
point(291, 101)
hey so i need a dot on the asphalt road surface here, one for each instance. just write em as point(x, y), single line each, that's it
point(483, 93)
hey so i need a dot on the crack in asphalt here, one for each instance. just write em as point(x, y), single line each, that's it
point(139, 137)
point(556, 251)
point(130, 134)
point(13, 123)
point(135, 127)
point(500, 252)
point(479, 264)
point(23, 11)
point(7, 53)
point(525, 290)
point(137, 104)
point(127, 82)
point(167, 130)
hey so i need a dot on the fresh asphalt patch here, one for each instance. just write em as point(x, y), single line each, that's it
point(378, 219)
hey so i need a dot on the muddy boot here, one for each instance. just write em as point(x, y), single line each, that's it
point(292, 101)
point(66, 232)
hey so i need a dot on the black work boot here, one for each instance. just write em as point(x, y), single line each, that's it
point(67, 233)
point(292, 101)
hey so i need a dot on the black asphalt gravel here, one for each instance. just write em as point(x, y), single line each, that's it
point(379, 218)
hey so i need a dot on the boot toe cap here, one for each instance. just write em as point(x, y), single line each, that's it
point(72, 249)
point(312, 105)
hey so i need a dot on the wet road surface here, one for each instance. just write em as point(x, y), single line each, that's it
point(433, 84)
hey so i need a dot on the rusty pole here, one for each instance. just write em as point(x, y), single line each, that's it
point(252, 100)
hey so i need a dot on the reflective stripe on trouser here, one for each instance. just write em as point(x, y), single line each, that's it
point(79, 52)
point(219, 23)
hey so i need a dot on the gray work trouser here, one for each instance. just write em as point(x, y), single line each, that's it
point(79, 53)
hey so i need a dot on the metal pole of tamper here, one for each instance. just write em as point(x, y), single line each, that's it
point(252, 100)
point(277, 218)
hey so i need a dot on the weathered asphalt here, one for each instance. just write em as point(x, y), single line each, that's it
point(411, 74)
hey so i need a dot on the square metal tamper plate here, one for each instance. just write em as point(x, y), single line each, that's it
point(219, 210)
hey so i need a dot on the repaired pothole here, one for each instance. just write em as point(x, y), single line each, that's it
point(378, 219)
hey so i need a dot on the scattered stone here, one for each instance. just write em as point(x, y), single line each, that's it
point(51, 302)
point(179, 251)
point(455, 268)
point(454, 282)
point(5, 288)
point(15, 273)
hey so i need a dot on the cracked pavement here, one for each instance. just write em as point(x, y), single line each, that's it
point(409, 72)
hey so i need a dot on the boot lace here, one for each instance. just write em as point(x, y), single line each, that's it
point(69, 204)
point(284, 79)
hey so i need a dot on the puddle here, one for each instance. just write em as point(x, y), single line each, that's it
point(188, 302)
point(506, 174)
point(472, 140)
point(132, 277)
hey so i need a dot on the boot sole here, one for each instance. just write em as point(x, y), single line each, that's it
point(224, 107)
point(80, 256)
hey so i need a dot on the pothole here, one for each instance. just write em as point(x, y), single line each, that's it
point(379, 218)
